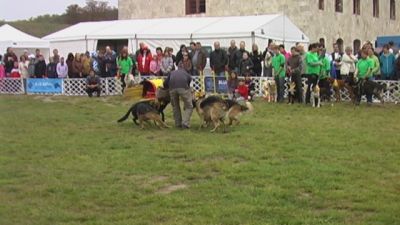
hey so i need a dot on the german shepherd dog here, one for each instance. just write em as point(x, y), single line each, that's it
point(145, 111)
point(214, 110)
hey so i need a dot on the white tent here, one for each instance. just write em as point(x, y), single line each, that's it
point(175, 31)
point(19, 41)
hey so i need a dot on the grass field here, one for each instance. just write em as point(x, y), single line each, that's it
point(64, 160)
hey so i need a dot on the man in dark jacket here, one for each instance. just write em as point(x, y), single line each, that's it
point(178, 83)
point(9, 59)
point(231, 54)
point(239, 55)
point(218, 60)
point(40, 68)
point(199, 60)
point(295, 67)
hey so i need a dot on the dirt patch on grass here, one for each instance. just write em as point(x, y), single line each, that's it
point(47, 99)
point(171, 188)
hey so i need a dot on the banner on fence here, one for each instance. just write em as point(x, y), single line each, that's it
point(222, 84)
point(47, 86)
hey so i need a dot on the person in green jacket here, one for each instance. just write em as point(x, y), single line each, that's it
point(314, 64)
point(279, 72)
point(364, 71)
point(124, 64)
point(324, 74)
point(376, 69)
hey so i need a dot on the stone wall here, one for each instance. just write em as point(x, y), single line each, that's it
point(316, 23)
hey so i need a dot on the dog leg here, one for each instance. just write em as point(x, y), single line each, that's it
point(141, 124)
point(216, 125)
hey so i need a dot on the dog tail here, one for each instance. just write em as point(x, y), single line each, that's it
point(125, 116)
point(249, 106)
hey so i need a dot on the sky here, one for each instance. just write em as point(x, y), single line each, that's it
point(11, 10)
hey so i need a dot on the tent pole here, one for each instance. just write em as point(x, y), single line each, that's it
point(86, 43)
point(253, 38)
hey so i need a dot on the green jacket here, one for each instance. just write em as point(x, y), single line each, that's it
point(364, 68)
point(376, 65)
point(313, 63)
point(325, 68)
point(125, 65)
point(278, 65)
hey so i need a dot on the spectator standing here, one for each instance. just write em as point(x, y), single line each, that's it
point(23, 67)
point(124, 65)
point(2, 69)
point(313, 69)
point(140, 50)
point(324, 73)
point(69, 62)
point(9, 59)
point(284, 52)
point(31, 66)
point(192, 49)
point(376, 68)
point(85, 64)
point(40, 68)
point(186, 63)
point(364, 72)
point(179, 54)
point(278, 69)
point(267, 56)
point(199, 60)
point(397, 69)
point(387, 62)
point(231, 55)
point(178, 83)
point(257, 58)
point(336, 60)
point(348, 65)
point(62, 69)
point(56, 57)
point(144, 60)
point(93, 84)
point(167, 63)
point(246, 65)
point(295, 65)
point(51, 69)
point(171, 53)
point(239, 55)
point(77, 67)
point(155, 66)
point(218, 60)
point(110, 63)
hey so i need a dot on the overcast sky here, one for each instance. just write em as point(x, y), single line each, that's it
point(24, 9)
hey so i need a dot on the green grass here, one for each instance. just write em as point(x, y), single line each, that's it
point(64, 160)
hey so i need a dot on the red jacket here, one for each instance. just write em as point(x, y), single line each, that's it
point(144, 69)
point(243, 90)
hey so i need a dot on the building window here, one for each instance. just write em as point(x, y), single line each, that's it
point(322, 42)
point(321, 4)
point(356, 7)
point(392, 9)
point(356, 46)
point(195, 6)
point(376, 8)
point(339, 42)
point(339, 5)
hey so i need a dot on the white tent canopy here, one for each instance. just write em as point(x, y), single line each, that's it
point(175, 31)
point(19, 41)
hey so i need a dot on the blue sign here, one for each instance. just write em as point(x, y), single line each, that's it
point(222, 84)
point(39, 85)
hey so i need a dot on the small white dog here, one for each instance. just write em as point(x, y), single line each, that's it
point(315, 96)
point(129, 80)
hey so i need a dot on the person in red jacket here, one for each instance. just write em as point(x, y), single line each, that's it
point(15, 71)
point(242, 91)
point(144, 59)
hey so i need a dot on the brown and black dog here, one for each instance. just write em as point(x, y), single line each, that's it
point(341, 85)
point(215, 109)
point(145, 111)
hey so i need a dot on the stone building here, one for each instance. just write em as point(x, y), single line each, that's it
point(348, 22)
